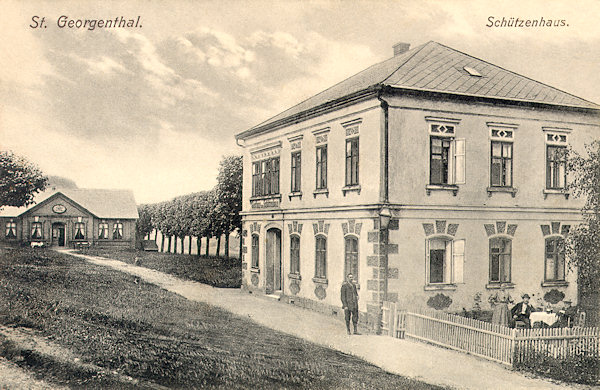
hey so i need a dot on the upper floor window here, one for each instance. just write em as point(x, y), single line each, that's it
point(351, 256)
point(36, 230)
point(321, 167)
point(103, 230)
point(254, 259)
point(446, 155)
point(445, 259)
point(556, 167)
point(500, 260)
point(352, 161)
point(11, 229)
point(296, 175)
point(554, 259)
point(265, 177)
point(295, 254)
point(117, 231)
point(321, 257)
point(501, 156)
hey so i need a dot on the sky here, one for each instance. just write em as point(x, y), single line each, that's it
point(154, 108)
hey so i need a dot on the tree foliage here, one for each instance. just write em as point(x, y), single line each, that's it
point(583, 243)
point(20, 180)
point(144, 224)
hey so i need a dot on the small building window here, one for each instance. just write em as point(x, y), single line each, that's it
point(352, 161)
point(103, 230)
point(501, 170)
point(295, 254)
point(446, 156)
point(117, 231)
point(80, 231)
point(255, 251)
point(36, 230)
point(265, 177)
point(555, 259)
point(556, 167)
point(296, 172)
point(321, 257)
point(445, 260)
point(11, 229)
point(500, 260)
point(321, 167)
point(351, 256)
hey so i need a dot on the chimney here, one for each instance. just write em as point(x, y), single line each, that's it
point(400, 48)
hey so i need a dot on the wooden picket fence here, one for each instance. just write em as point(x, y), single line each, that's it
point(490, 341)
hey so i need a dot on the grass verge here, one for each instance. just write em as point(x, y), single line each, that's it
point(133, 329)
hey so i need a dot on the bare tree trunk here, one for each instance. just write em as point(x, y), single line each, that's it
point(218, 245)
point(207, 244)
point(155, 234)
point(169, 249)
point(199, 244)
point(162, 242)
point(227, 245)
point(190, 246)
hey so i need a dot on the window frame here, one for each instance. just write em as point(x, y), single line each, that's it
point(296, 171)
point(103, 231)
point(11, 227)
point(321, 257)
point(553, 166)
point(352, 257)
point(266, 177)
point(454, 256)
point(117, 230)
point(352, 161)
point(558, 250)
point(255, 247)
point(37, 234)
point(77, 228)
point(501, 264)
point(321, 167)
point(295, 254)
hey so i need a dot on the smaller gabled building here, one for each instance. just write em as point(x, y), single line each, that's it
point(67, 217)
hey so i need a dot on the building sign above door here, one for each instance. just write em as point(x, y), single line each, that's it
point(59, 208)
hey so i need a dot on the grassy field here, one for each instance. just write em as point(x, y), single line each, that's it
point(129, 334)
point(217, 272)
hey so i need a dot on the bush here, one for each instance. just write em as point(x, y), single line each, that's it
point(584, 369)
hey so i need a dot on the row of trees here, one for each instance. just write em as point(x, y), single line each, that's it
point(203, 214)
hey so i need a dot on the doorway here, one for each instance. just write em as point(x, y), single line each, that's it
point(58, 234)
point(273, 261)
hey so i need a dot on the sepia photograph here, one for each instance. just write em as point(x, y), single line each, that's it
point(286, 194)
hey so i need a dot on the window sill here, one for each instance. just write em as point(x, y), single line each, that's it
point(295, 194)
point(254, 270)
point(495, 285)
point(511, 190)
point(321, 191)
point(555, 283)
point(441, 187)
point(265, 197)
point(295, 276)
point(549, 191)
point(351, 188)
point(320, 280)
point(441, 286)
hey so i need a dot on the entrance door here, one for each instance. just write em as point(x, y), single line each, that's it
point(58, 234)
point(273, 261)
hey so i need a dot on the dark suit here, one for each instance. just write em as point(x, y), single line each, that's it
point(349, 297)
point(517, 311)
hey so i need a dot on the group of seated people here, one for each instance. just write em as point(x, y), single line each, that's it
point(521, 313)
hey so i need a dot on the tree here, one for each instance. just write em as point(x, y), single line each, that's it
point(144, 226)
point(583, 243)
point(20, 180)
point(229, 195)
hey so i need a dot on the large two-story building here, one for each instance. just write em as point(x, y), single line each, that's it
point(433, 173)
point(70, 216)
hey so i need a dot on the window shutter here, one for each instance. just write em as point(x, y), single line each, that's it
point(427, 264)
point(458, 259)
point(459, 161)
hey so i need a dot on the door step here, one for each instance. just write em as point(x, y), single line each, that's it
point(274, 296)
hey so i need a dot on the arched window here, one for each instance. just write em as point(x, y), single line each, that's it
point(555, 259)
point(500, 260)
point(351, 256)
point(295, 254)
point(255, 251)
point(321, 257)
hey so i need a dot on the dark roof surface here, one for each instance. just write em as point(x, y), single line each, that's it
point(102, 203)
point(434, 67)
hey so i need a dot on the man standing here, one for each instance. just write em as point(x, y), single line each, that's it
point(350, 303)
point(522, 310)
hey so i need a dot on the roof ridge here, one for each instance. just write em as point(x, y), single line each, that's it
point(516, 74)
point(417, 50)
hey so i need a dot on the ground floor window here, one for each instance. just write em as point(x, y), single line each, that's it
point(11, 230)
point(295, 255)
point(321, 257)
point(555, 259)
point(80, 231)
point(36, 230)
point(254, 251)
point(351, 256)
point(103, 230)
point(117, 231)
point(445, 259)
point(500, 259)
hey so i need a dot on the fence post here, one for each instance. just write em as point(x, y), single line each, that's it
point(513, 345)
